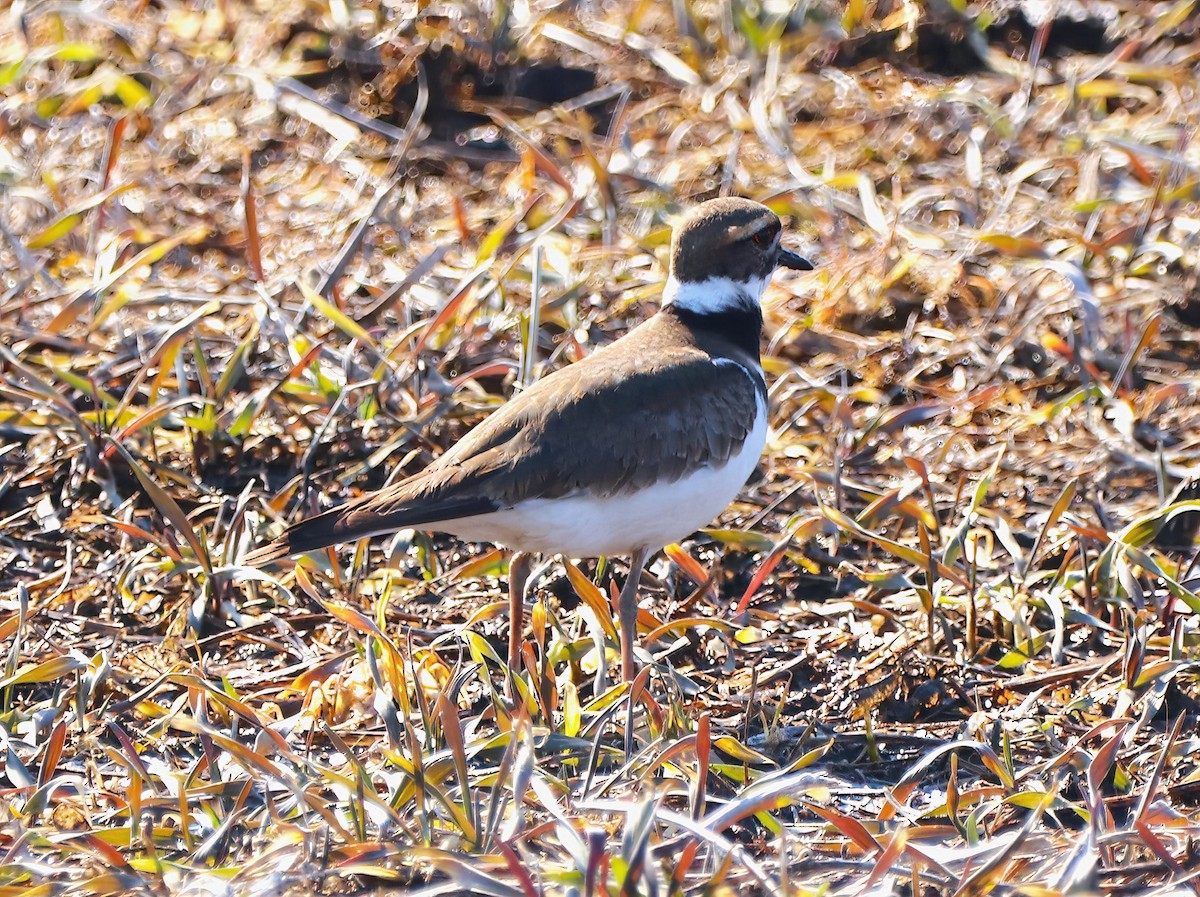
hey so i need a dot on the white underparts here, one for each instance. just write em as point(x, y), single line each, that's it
point(713, 294)
point(585, 525)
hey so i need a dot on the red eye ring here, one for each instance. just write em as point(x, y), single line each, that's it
point(760, 238)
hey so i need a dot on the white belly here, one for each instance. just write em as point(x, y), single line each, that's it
point(587, 526)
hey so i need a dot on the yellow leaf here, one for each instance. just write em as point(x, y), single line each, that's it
point(55, 231)
point(734, 748)
point(749, 635)
point(46, 671)
point(131, 93)
point(76, 52)
point(340, 319)
point(1021, 247)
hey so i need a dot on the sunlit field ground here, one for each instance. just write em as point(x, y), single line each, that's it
point(257, 259)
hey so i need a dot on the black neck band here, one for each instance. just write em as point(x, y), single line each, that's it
point(741, 326)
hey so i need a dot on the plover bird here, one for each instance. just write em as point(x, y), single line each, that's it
point(638, 445)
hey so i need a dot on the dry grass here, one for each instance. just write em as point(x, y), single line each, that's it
point(946, 643)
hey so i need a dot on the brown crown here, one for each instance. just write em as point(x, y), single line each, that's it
point(717, 239)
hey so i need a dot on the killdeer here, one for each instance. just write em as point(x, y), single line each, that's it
point(636, 446)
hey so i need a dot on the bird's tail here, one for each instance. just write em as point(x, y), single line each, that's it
point(322, 531)
point(364, 517)
point(269, 553)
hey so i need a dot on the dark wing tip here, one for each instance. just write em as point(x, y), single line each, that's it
point(322, 531)
point(270, 553)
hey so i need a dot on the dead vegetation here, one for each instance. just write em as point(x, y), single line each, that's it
point(259, 258)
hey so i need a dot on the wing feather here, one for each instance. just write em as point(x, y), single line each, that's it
point(678, 408)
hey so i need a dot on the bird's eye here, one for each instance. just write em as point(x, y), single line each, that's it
point(760, 238)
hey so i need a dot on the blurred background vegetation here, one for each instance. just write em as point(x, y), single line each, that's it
point(258, 257)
